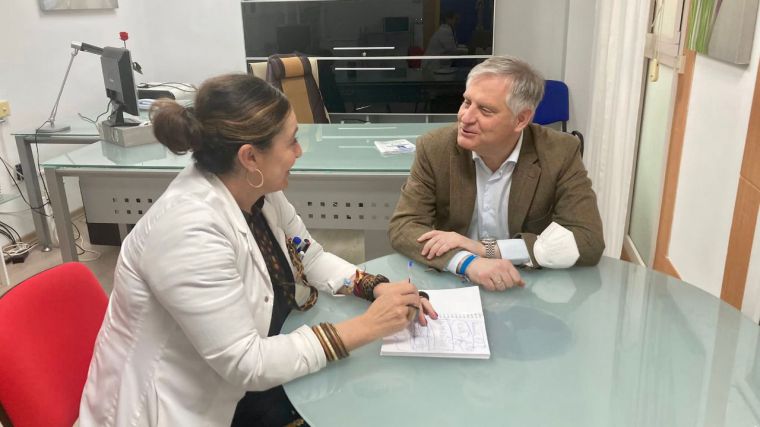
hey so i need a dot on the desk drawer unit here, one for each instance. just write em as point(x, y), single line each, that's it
point(355, 202)
point(324, 201)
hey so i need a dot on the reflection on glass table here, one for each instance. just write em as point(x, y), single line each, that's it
point(611, 345)
point(133, 155)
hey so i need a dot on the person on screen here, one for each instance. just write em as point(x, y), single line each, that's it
point(206, 279)
point(444, 42)
point(496, 191)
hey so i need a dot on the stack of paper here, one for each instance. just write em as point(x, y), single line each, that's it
point(459, 331)
point(396, 146)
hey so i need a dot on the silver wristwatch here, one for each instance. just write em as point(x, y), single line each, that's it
point(490, 245)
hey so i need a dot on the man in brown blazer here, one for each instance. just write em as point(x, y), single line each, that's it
point(495, 190)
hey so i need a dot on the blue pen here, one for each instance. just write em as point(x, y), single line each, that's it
point(409, 266)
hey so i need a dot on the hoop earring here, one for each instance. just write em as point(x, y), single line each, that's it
point(261, 184)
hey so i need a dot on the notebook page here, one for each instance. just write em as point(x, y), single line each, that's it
point(459, 331)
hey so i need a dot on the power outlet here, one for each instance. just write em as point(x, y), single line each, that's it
point(5, 109)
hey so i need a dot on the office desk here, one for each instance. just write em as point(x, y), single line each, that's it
point(612, 345)
point(78, 134)
point(340, 182)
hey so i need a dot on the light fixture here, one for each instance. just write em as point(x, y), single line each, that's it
point(49, 126)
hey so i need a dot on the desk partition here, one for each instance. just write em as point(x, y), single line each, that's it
point(340, 182)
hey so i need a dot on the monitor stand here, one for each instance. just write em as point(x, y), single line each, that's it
point(117, 119)
point(126, 132)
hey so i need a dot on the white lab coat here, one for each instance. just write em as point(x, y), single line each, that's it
point(185, 332)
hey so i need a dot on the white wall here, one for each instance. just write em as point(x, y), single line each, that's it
point(173, 40)
point(533, 30)
point(556, 37)
point(716, 128)
point(578, 54)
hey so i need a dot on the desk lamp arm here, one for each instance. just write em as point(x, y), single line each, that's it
point(49, 126)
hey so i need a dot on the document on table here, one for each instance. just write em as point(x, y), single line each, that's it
point(459, 331)
point(396, 146)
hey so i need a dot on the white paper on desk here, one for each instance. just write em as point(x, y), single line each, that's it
point(459, 331)
point(396, 146)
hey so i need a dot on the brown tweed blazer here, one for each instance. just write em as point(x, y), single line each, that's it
point(549, 183)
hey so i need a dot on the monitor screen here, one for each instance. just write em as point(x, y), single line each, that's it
point(119, 81)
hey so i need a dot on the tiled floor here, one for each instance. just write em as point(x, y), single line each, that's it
point(347, 244)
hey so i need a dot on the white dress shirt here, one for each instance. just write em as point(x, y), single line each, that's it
point(489, 218)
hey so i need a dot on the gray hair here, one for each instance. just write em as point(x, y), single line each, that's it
point(527, 84)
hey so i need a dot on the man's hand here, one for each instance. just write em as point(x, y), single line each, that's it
point(494, 274)
point(439, 242)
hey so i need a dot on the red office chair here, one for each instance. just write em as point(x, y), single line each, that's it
point(48, 326)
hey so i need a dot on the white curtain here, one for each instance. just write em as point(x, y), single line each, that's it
point(617, 73)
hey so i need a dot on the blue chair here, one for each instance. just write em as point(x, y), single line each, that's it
point(555, 107)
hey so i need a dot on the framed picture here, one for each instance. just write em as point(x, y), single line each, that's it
point(78, 4)
point(723, 29)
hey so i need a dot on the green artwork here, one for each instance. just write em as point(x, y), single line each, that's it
point(723, 29)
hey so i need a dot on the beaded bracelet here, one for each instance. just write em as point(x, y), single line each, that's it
point(364, 284)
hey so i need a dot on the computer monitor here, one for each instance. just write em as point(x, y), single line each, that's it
point(120, 84)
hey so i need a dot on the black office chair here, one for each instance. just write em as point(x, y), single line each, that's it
point(555, 107)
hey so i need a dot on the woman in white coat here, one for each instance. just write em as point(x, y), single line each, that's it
point(207, 277)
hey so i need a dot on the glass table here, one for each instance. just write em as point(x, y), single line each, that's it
point(80, 133)
point(611, 345)
point(341, 181)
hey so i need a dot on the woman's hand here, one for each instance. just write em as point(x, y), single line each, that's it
point(439, 242)
point(427, 308)
point(389, 313)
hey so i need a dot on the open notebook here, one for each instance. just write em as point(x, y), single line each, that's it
point(459, 331)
